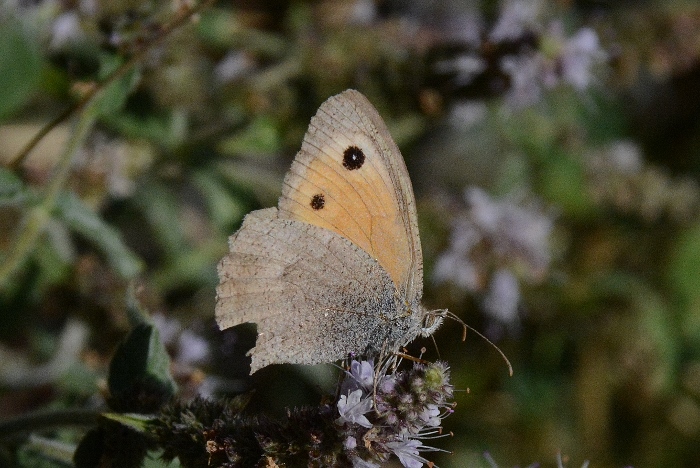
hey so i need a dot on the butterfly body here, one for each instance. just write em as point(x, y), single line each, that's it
point(337, 267)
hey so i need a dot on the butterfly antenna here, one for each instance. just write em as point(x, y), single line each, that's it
point(452, 316)
point(464, 337)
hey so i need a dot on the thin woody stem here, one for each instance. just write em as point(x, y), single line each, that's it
point(33, 224)
point(180, 19)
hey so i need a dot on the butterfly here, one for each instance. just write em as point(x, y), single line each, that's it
point(336, 268)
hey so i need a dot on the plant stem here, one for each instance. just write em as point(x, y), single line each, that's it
point(33, 224)
point(184, 15)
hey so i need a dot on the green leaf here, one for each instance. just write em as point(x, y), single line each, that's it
point(166, 130)
point(52, 449)
point(134, 312)
point(12, 189)
point(140, 358)
point(191, 266)
point(113, 97)
point(684, 278)
point(81, 219)
point(20, 62)
point(225, 209)
point(161, 209)
point(153, 460)
point(53, 266)
point(562, 183)
point(90, 449)
point(260, 137)
point(137, 422)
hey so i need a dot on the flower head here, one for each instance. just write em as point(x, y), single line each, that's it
point(410, 405)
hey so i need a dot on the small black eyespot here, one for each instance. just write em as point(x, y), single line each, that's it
point(353, 158)
point(318, 201)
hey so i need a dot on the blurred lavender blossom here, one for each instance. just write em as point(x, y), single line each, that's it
point(66, 30)
point(513, 237)
point(113, 163)
point(235, 65)
point(517, 18)
point(188, 348)
point(525, 53)
point(559, 60)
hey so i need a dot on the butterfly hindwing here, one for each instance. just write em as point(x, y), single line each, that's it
point(300, 284)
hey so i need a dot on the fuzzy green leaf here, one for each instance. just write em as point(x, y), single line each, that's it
point(224, 208)
point(81, 219)
point(135, 421)
point(20, 62)
point(260, 137)
point(141, 358)
point(113, 97)
point(12, 189)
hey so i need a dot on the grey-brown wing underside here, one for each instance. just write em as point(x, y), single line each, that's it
point(315, 295)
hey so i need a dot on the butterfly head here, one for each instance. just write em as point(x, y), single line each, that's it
point(432, 319)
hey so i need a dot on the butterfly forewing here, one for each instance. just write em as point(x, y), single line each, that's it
point(350, 178)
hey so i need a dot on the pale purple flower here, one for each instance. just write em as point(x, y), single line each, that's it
point(509, 233)
point(407, 451)
point(168, 328)
point(464, 67)
point(364, 12)
point(565, 60)
point(431, 415)
point(234, 65)
point(513, 230)
point(360, 376)
point(350, 443)
point(358, 462)
point(580, 55)
point(517, 17)
point(188, 347)
point(454, 265)
point(625, 157)
point(387, 384)
point(192, 348)
point(466, 114)
point(363, 373)
point(527, 77)
point(410, 407)
point(503, 296)
point(66, 29)
point(352, 409)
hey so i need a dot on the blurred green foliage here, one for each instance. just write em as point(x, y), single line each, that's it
point(145, 182)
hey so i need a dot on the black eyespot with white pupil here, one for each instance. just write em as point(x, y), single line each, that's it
point(353, 158)
point(318, 201)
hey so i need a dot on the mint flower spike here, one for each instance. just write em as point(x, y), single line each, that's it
point(410, 406)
